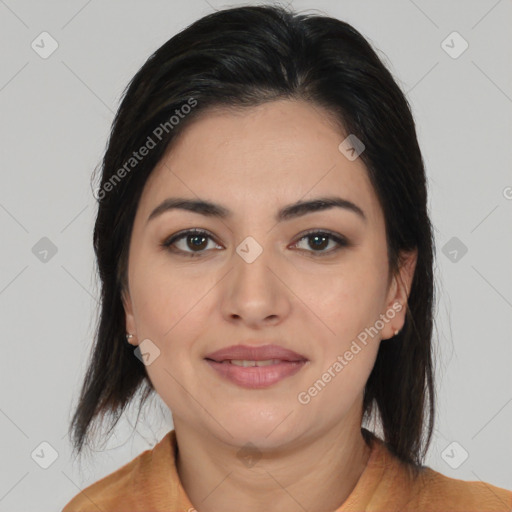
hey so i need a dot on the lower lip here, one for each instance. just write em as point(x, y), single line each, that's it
point(256, 377)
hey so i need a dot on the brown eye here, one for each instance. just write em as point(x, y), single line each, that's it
point(195, 242)
point(318, 241)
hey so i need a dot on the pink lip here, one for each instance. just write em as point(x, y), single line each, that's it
point(255, 377)
point(252, 353)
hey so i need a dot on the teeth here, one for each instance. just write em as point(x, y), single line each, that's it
point(245, 363)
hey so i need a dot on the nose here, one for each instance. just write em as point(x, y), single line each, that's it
point(255, 291)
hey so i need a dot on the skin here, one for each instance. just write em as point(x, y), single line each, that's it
point(254, 162)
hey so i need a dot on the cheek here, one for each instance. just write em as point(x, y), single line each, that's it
point(346, 301)
point(162, 298)
point(170, 310)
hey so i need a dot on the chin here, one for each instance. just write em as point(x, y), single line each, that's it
point(269, 432)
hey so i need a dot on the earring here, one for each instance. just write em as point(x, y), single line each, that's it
point(396, 332)
point(129, 337)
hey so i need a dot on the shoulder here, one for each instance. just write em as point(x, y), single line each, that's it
point(431, 491)
point(130, 486)
point(427, 490)
point(435, 491)
point(107, 492)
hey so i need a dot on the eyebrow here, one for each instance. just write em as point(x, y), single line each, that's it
point(288, 212)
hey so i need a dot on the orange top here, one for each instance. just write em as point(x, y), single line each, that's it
point(150, 483)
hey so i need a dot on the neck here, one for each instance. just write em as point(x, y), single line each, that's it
point(317, 473)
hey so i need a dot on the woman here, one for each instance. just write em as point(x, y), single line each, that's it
point(266, 258)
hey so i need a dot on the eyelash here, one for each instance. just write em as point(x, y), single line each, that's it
point(168, 243)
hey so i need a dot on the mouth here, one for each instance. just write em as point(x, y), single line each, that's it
point(255, 367)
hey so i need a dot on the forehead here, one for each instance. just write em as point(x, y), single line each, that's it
point(265, 156)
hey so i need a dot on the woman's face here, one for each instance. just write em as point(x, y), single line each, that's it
point(255, 279)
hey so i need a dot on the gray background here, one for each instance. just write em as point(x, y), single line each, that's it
point(55, 119)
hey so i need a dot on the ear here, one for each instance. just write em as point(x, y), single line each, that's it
point(130, 319)
point(398, 294)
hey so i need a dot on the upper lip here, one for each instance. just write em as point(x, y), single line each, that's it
point(253, 353)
